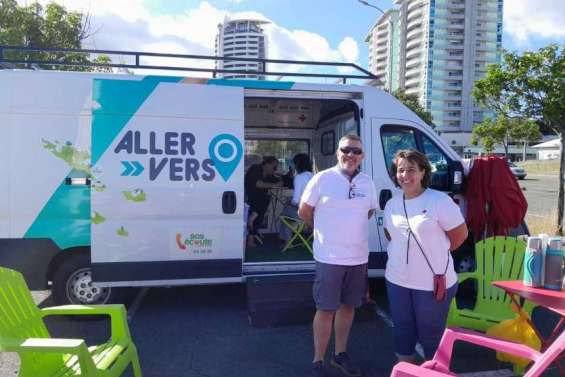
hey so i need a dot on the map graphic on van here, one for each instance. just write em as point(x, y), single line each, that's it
point(137, 195)
point(76, 159)
point(226, 151)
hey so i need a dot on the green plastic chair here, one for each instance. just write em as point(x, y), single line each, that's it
point(497, 258)
point(297, 227)
point(22, 331)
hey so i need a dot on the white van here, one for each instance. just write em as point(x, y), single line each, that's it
point(124, 180)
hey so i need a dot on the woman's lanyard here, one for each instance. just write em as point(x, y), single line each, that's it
point(410, 233)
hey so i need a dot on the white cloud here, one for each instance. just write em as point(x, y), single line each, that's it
point(541, 18)
point(129, 25)
point(348, 49)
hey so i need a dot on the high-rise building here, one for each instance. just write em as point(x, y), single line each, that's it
point(442, 47)
point(242, 38)
point(383, 40)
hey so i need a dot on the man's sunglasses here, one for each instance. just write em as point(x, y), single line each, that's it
point(348, 150)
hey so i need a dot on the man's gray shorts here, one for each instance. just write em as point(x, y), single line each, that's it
point(336, 285)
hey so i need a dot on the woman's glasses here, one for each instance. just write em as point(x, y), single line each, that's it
point(348, 150)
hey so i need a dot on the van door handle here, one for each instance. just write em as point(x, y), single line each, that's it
point(384, 197)
point(229, 202)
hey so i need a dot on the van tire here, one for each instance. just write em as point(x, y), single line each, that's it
point(72, 284)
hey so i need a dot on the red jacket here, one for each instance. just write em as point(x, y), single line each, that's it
point(495, 201)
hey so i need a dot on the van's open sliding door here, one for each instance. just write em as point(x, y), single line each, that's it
point(167, 182)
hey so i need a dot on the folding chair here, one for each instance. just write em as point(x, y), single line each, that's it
point(297, 227)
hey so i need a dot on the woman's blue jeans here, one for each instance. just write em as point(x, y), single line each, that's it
point(417, 318)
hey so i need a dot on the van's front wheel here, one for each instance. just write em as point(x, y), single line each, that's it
point(72, 284)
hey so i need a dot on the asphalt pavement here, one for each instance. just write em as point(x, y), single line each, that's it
point(204, 331)
point(541, 193)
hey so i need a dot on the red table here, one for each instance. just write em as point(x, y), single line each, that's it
point(552, 300)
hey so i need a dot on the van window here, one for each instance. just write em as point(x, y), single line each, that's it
point(395, 138)
point(283, 150)
point(437, 158)
point(439, 162)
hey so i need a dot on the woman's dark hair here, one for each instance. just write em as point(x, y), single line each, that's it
point(302, 163)
point(269, 160)
point(414, 157)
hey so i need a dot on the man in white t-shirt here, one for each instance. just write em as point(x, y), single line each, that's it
point(337, 204)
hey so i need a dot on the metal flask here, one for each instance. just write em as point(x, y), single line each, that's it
point(554, 264)
point(533, 263)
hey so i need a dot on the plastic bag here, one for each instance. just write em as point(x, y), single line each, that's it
point(516, 330)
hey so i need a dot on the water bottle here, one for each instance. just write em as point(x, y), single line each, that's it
point(533, 263)
point(554, 264)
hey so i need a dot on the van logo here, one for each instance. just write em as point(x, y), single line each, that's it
point(225, 151)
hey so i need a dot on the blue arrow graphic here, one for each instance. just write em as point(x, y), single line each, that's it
point(133, 168)
point(138, 168)
point(128, 168)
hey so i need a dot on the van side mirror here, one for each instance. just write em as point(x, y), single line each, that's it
point(384, 197)
point(456, 176)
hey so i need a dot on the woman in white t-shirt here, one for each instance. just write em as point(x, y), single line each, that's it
point(303, 168)
point(423, 226)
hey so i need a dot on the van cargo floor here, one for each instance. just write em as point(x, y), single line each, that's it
point(271, 251)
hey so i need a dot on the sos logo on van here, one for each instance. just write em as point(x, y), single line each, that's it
point(172, 154)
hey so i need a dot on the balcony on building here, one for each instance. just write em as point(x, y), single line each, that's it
point(456, 4)
point(456, 24)
point(414, 24)
point(414, 33)
point(414, 4)
point(456, 14)
point(413, 63)
point(414, 43)
point(413, 82)
point(412, 52)
point(417, 13)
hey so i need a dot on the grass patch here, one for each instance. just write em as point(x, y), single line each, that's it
point(541, 167)
point(542, 224)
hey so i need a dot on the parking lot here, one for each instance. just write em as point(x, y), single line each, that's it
point(204, 331)
point(541, 193)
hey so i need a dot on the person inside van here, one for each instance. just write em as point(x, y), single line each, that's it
point(258, 180)
point(303, 168)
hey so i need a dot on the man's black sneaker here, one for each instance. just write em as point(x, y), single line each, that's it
point(344, 363)
point(318, 369)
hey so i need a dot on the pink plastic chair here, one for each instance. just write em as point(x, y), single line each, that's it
point(439, 365)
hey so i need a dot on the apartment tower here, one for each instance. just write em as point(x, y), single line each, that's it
point(441, 48)
point(242, 38)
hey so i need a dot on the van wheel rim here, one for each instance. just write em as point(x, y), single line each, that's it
point(80, 289)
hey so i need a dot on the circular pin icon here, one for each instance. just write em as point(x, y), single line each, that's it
point(225, 151)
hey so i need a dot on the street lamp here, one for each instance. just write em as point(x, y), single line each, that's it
point(371, 5)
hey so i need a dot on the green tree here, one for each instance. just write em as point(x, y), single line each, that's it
point(532, 86)
point(490, 133)
point(411, 101)
point(51, 26)
point(504, 131)
point(525, 132)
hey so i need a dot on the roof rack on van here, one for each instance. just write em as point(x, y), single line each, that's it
point(17, 56)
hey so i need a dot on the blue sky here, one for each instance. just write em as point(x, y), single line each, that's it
point(322, 30)
point(336, 19)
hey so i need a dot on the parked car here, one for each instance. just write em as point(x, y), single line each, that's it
point(518, 172)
